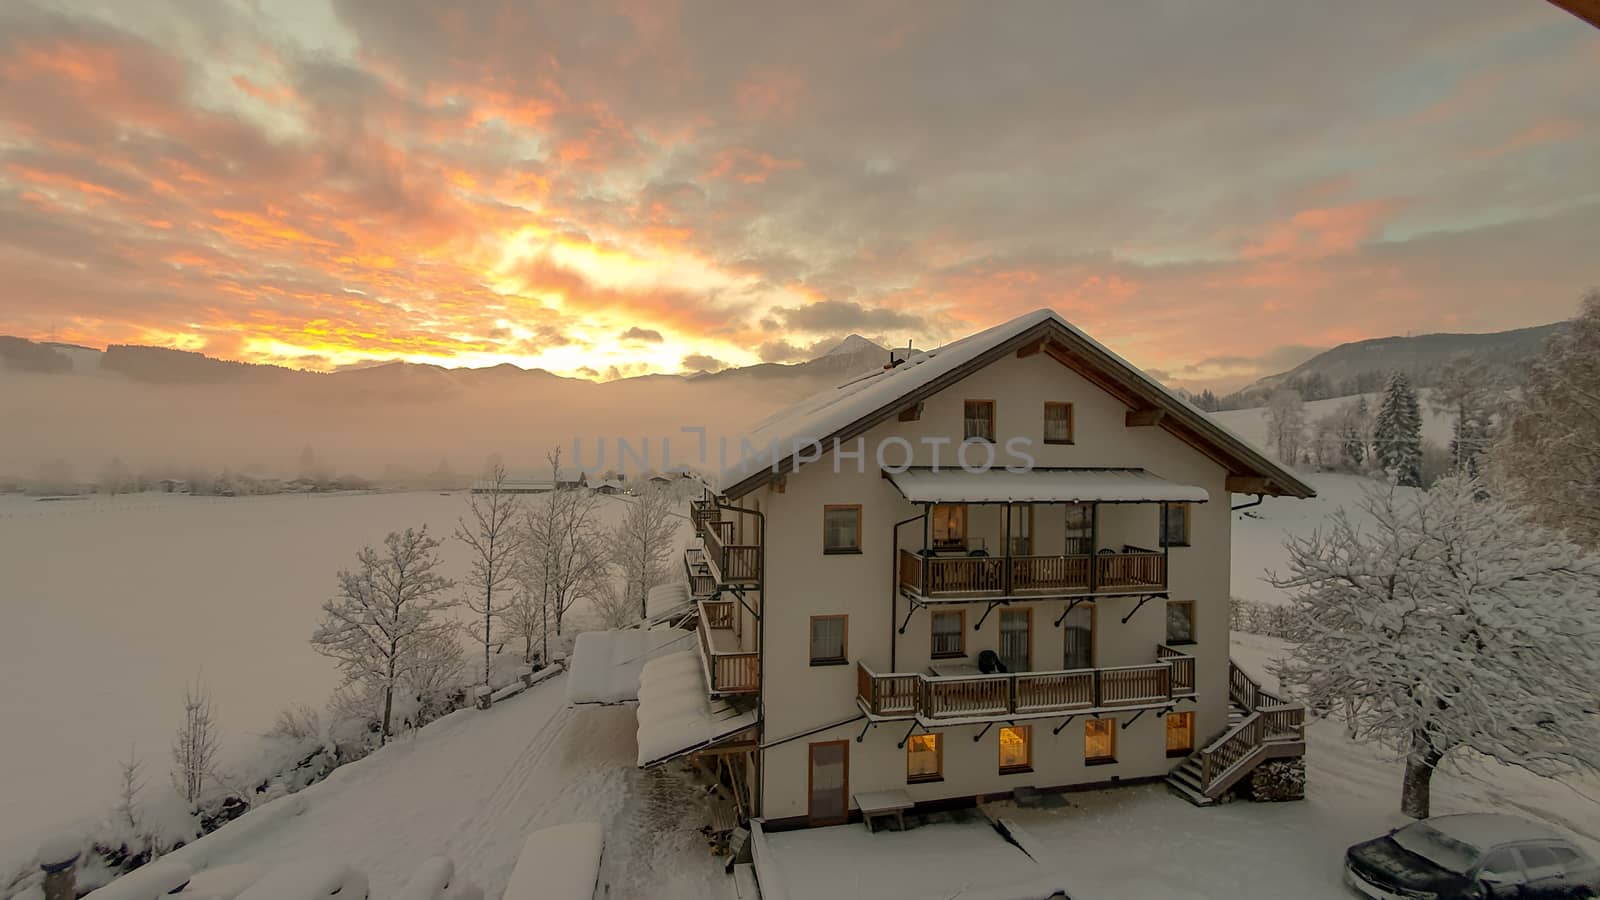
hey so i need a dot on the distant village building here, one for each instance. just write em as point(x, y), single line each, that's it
point(174, 486)
point(608, 487)
point(526, 486)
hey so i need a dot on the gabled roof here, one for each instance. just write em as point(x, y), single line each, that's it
point(850, 409)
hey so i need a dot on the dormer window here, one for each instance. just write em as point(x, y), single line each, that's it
point(979, 416)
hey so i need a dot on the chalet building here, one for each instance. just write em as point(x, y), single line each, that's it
point(885, 622)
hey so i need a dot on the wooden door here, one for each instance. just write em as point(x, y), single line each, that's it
point(829, 783)
point(1016, 639)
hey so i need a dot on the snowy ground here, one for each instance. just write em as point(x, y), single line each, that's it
point(1139, 842)
point(110, 604)
point(1251, 424)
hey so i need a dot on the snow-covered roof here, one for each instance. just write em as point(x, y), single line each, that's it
point(675, 714)
point(946, 485)
point(665, 599)
point(558, 863)
point(605, 665)
point(768, 448)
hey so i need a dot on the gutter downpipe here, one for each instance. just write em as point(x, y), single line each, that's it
point(894, 585)
point(761, 650)
point(1256, 502)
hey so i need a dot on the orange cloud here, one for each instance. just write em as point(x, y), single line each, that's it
point(1317, 233)
point(748, 166)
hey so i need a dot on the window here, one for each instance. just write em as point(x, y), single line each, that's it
point(924, 758)
point(1021, 529)
point(828, 640)
point(1080, 529)
point(1180, 621)
point(1174, 524)
point(1016, 750)
point(1078, 638)
point(841, 529)
point(1502, 867)
point(1099, 741)
point(979, 416)
point(949, 634)
point(1058, 423)
point(1539, 862)
point(1015, 647)
point(1180, 733)
point(948, 522)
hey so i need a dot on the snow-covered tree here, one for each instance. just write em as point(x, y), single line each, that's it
point(437, 663)
point(491, 532)
point(384, 610)
point(1286, 423)
point(1398, 432)
point(1465, 390)
point(563, 556)
point(194, 750)
point(1551, 452)
point(1355, 427)
point(126, 817)
point(1450, 623)
point(641, 544)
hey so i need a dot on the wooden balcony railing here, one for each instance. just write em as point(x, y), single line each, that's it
point(904, 695)
point(1182, 670)
point(961, 577)
point(701, 512)
point(731, 670)
point(701, 582)
point(737, 563)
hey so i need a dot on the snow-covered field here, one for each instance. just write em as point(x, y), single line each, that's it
point(110, 604)
point(1251, 424)
point(1258, 532)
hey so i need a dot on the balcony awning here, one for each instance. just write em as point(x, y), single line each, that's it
point(998, 485)
point(605, 665)
point(676, 717)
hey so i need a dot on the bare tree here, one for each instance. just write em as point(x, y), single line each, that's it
point(194, 751)
point(490, 531)
point(563, 555)
point(1286, 423)
point(612, 608)
point(1451, 622)
point(131, 780)
point(641, 544)
point(435, 670)
point(384, 609)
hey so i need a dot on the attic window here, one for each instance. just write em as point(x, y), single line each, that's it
point(979, 417)
point(1058, 423)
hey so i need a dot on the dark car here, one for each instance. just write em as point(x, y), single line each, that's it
point(1471, 857)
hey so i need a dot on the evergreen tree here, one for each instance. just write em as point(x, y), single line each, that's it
point(1398, 432)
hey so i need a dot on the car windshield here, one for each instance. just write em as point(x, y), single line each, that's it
point(1445, 852)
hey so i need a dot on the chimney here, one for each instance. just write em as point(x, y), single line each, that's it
point(898, 355)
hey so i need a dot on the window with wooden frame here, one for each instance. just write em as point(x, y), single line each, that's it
point(947, 524)
point(829, 640)
point(1079, 529)
point(1020, 528)
point(841, 528)
point(1058, 423)
point(1180, 733)
point(1016, 639)
point(978, 416)
point(924, 758)
point(1016, 748)
point(949, 634)
point(1180, 621)
point(1174, 524)
point(1099, 741)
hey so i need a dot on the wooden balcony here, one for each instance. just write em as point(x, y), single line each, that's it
point(702, 582)
point(1133, 570)
point(729, 668)
point(935, 698)
point(732, 563)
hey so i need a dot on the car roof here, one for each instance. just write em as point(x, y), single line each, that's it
point(1485, 830)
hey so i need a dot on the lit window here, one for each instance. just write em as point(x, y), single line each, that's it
point(948, 522)
point(841, 529)
point(949, 634)
point(1180, 733)
point(828, 640)
point(1174, 524)
point(979, 416)
point(1180, 621)
point(1016, 752)
point(924, 758)
point(1058, 423)
point(1100, 741)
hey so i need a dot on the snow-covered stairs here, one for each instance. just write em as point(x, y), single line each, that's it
point(1186, 779)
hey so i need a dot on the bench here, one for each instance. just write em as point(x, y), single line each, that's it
point(876, 805)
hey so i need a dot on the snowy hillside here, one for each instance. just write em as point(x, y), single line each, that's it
point(114, 603)
point(1251, 424)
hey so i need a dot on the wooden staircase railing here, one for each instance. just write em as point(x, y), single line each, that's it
point(1272, 727)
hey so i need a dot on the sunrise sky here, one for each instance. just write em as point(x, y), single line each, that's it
point(605, 190)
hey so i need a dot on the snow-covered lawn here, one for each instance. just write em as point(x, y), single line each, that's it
point(1138, 842)
point(108, 605)
point(471, 787)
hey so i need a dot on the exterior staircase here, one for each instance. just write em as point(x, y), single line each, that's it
point(1261, 726)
